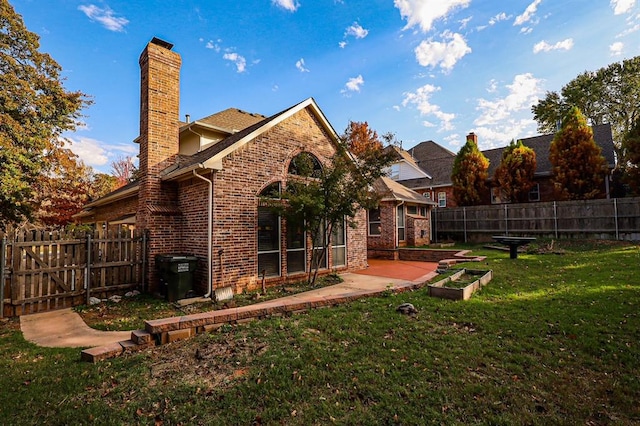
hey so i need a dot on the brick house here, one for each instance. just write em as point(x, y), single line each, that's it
point(437, 163)
point(201, 181)
point(402, 218)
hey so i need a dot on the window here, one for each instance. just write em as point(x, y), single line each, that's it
point(534, 193)
point(498, 196)
point(427, 195)
point(339, 245)
point(375, 226)
point(400, 222)
point(296, 247)
point(271, 191)
point(423, 211)
point(318, 247)
point(442, 199)
point(412, 210)
point(268, 242)
point(305, 164)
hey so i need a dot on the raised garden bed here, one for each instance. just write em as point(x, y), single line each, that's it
point(460, 285)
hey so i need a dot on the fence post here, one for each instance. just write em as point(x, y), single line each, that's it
point(464, 222)
point(87, 270)
point(615, 214)
point(2, 260)
point(144, 261)
point(506, 221)
point(555, 219)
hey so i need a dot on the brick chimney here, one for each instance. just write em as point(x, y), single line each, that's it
point(159, 146)
point(472, 136)
point(159, 120)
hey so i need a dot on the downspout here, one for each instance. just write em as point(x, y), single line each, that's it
point(405, 225)
point(210, 237)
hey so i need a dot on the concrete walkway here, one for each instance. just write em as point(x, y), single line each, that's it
point(65, 328)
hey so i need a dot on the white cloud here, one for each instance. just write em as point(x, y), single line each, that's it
point(96, 153)
point(543, 46)
point(213, 45)
point(493, 86)
point(464, 22)
point(444, 54)
point(290, 5)
point(239, 60)
point(353, 85)
point(424, 12)
point(421, 99)
point(342, 44)
point(616, 48)
point(499, 17)
point(523, 93)
point(104, 16)
point(356, 31)
point(300, 65)
point(528, 14)
point(622, 6)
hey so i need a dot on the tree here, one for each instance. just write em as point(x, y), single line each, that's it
point(361, 138)
point(321, 197)
point(514, 174)
point(578, 167)
point(123, 170)
point(631, 155)
point(35, 110)
point(63, 191)
point(609, 95)
point(102, 184)
point(470, 172)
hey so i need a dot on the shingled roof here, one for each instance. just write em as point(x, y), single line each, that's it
point(232, 119)
point(210, 157)
point(540, 144)
point(437, 161)
point(389, 189)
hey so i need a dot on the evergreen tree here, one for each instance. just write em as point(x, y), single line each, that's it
point(631, 150)
point(514, 175)
point(35, 110)
point(470, 172)
point(578, 166)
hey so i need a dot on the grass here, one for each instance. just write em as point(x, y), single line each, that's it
point(131, 313)
point(552, 339)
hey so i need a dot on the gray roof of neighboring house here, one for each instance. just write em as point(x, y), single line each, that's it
point(437, 161)
point(540, 144)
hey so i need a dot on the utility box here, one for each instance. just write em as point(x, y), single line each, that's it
point(176, 275)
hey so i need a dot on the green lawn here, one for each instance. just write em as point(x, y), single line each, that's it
point(552, 339)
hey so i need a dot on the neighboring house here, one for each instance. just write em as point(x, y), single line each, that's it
point(402, 218)
point(201, 183)
point(437, 163)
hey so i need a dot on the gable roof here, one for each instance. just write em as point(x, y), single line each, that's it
point(211, 158)
point(390, 190)
point(231, 119)
point(402, 155)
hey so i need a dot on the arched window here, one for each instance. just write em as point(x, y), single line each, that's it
point(271, 191)
point(305, 164)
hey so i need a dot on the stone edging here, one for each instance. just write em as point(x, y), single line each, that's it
point(168, 330)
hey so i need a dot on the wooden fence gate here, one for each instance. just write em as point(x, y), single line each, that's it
point(46, 270)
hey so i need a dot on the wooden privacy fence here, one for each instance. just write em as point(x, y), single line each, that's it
point(617, 218)
point(47, 270)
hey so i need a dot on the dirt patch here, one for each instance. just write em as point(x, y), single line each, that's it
point(208, 361)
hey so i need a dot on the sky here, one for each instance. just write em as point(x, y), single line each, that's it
point(421, 69)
